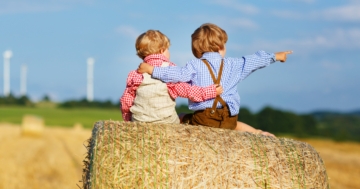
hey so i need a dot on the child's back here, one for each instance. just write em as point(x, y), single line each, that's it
point(153, 103)
point(149, 100)
point(234, 70)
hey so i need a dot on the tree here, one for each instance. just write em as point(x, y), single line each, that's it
point(247, 117)
point(46, 98)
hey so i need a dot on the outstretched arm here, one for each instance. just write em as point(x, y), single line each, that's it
point(259, 60)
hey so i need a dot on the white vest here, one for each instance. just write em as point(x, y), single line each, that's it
point(153, 103)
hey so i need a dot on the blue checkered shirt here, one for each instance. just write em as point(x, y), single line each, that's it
point(234, 71)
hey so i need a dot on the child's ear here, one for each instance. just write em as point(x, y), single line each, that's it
point(162, 51)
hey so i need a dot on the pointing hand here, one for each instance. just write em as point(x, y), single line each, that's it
point(281, 56)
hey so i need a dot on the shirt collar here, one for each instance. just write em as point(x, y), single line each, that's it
point(211, 55)
point(156, 59)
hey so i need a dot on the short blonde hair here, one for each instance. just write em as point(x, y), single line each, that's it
point(208, 38)
point(151, 42)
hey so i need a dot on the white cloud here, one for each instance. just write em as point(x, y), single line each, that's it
point(244, 8)
point(344, 39)
point(128, 31)
point(339, 38)
point(224, 22)
point(289, 14)
point(234, 23)
point(241, 22)
point(23, 6)
point(350, 12)
point(302, 1)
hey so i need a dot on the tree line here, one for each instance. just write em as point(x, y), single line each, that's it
point(12, 100)
point(334, 125)
point(337, 126)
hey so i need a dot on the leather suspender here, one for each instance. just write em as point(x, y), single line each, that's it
point(216, 81)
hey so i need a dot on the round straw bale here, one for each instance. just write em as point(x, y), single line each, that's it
point(78, 127)
point(144, 155)
point(32, 125)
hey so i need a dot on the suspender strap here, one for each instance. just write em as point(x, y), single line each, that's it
point(216, 81)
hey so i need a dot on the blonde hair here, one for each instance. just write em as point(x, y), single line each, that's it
point(151, 42)
point(208, 38)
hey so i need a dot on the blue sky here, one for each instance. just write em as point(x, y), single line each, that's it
point(55, 37)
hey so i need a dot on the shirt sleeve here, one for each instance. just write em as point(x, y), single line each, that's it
point(126, 103)
point(193, 93)
point(256, 61)
point(132, 83)
point(174, 74)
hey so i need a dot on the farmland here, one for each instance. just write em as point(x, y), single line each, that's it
point(342, 162)
point(60, 117)
point(53, 159)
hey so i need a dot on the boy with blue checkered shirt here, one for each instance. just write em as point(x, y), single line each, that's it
point(208, 46)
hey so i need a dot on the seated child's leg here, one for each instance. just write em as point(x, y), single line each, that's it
point(240, 126)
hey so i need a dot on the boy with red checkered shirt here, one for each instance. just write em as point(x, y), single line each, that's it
point(150, 100)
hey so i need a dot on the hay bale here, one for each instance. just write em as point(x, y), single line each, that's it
point(78, 127)
point(140, 155)
point(32, 125)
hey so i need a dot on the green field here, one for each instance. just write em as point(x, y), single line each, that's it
point(60, 117)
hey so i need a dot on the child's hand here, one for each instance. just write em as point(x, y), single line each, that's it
point(281, 56)
point(219, 89)
point(145, 68)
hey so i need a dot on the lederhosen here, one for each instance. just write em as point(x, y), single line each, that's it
point(213, 117)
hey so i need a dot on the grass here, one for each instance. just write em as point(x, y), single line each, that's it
point(60, 117)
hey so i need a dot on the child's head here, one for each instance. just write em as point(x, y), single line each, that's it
point(208, 38)
point(151, 42)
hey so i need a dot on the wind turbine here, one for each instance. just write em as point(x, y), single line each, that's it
point(7, 55)
point(23, 80)
point(90, 79)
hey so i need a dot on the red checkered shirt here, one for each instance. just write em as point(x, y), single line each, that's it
point(185, 90)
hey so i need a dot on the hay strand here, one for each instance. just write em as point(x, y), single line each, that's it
point(141, 155)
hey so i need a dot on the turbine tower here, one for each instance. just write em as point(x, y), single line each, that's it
point(23, 80)
point(90, 79)
point(7, 56)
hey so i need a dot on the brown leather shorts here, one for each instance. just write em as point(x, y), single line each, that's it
point(221, 118)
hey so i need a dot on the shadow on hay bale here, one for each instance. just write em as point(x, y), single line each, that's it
point(140, 155)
